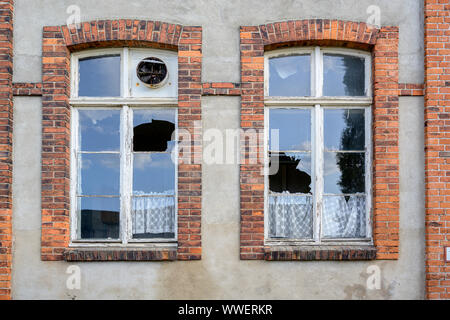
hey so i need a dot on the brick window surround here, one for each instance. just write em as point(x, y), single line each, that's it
point(58, 44)
point(437, 147)
point(383, 44)
point(6, 127)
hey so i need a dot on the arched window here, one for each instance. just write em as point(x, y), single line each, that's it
point(318, 145)
point(124, 118)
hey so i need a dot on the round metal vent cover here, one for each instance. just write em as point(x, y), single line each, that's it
point(152, 72)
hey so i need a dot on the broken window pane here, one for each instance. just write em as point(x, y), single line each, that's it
point(99, 130)
point(290, 217)
point(153, 130)
point(344, 173)
point(344, 217)
point(343, 75)
point(153, 173)
point(293, 175)
point(99, 76)
point(153, 217)
point(99, 217)
point(100, 174)
point(294, 129)
point(344, 129)
point(290, 76)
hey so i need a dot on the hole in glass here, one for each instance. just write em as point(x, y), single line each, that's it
point(293, 175)
point(153, 130)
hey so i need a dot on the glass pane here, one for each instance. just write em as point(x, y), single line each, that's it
point(100, 174)
point(294, 129)
point(99, 217)
point(290, 217)
point(293, 174)
point(153, 174)
point(99, 77)
point(344, 129)
point(153, 217)
point(290, 76)
point(344, 173)
point(153, 130)
point(344, 217)
point(343, 75)
point(99, 130)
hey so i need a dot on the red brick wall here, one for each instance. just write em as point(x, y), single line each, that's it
point(58, 43)
point(254, 41)
point(27, 89)
point(6, 126)
point(410, 89)
point(437, 146)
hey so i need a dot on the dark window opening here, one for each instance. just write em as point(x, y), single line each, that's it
point(289, 176)
point(153, 136)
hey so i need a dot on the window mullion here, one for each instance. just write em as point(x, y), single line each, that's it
point(124, 174)
point(318, 74)
point(368, 171)
point(318, 170)
point(74, 79)
point(125, 74)
point(75, 168)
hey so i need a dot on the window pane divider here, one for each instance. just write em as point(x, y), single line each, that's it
point(274, 194)
point(74, 174)
point(119, 102)
point(290, 151)
point(153, 196)
point(324, 101)
point(368, 170)
point(98, 152)
point(318, 170)
point(358, 194)
point(97, 196)
point(125, 176)
point(345, 151)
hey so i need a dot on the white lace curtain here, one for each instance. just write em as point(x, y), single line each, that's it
point(344, 218)
point(153, 215)
point(291, 217)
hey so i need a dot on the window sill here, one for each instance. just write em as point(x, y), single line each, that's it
point(316, 253)
point(120, 254)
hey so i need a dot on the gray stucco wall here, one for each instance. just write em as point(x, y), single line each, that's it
point(220, 274)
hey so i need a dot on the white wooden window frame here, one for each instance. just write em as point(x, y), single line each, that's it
point(317, 103)
point(126, 104)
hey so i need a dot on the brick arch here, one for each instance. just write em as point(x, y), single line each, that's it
point(317, 31)
point(383, 43)
point(57, 44)
point(122, 32)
